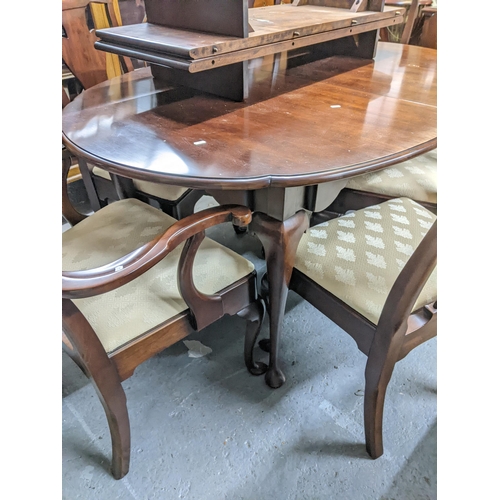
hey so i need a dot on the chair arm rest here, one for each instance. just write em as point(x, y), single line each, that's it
point(91, 282)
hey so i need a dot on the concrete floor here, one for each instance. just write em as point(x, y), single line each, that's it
point(205, 429)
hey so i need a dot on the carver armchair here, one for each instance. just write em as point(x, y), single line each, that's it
point(91, 67)
point(130, 290)
point(373, 272)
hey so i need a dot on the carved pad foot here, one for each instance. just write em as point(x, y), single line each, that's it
point(275, 378)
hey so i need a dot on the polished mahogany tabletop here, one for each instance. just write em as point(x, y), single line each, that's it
point(303, 124)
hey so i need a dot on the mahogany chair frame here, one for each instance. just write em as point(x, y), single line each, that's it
point(399, 330)
point(108, 370)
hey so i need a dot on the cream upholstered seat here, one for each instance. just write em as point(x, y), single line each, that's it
point(122, 314)
point(373, 272)
point(357, 257)
point(415, 179)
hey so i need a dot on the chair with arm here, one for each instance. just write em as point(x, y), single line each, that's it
point(373, 272)
point(90, 67)
point(129, 291)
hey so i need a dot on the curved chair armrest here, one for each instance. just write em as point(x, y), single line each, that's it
point(88, 283)
point(408, 286)
point(68, 210)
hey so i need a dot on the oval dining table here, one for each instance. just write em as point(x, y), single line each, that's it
point(308, 125)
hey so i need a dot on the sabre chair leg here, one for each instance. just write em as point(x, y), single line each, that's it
point(95, 363)
point(114, 402)
point(377, 376)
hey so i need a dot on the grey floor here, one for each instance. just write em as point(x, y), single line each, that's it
point(205, 429)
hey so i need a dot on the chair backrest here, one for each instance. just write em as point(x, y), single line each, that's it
point(88, 65)
point(425, 30)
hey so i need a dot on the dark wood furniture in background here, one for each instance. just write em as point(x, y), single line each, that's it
point(132, 11)
point(307, 127)
point(84, 67)
point(208, 45)
point(89, 66)
point(107, 367)
point(266, 3)
point(401, 324)
point(426, 30)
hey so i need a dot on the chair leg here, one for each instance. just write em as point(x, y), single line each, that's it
point(114, 402)
point(378, 373)
point(254, 314)
point(96, 365)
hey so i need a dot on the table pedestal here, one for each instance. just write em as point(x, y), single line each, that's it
point(280, 241)
point(279, 221)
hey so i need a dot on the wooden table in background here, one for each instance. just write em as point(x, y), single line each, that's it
point(307, 127)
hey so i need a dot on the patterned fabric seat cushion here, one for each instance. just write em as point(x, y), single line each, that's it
point(122, 314)
point(357, 257)
point(415, 179)
point(163, 191)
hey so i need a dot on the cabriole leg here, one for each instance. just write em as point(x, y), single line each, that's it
point(280, 240)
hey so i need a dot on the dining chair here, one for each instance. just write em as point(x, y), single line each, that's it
point(130, 290)
point(424, 32)
point(373, 272)
point(415, 178)
point(413, 13)
point(80, 18)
